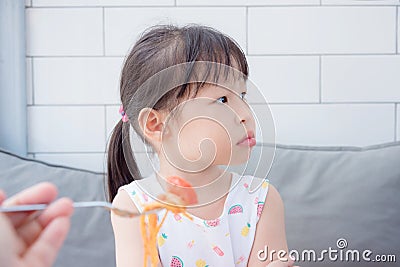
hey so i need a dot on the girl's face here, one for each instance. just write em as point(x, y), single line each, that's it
point(211, 129)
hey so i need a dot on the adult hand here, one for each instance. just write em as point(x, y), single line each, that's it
point(29, 238)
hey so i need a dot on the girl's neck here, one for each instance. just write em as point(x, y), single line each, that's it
point(210, 184)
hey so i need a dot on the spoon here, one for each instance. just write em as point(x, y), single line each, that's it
point(86, 204)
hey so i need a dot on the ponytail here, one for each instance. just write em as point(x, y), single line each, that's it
point(118, 172)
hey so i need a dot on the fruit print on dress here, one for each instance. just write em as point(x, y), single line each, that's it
point(235, 209)
point(245, 230)
point(212, 223)
point(176, 262)
point(161, 239)
point(190, 244)
point(256, 200)
point(240, 260)
point(178, 217)
point(218, 250)
point(260, 206)
point(201, 263)
point(136, 197)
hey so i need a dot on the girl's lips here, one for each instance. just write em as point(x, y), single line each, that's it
point(250, 141)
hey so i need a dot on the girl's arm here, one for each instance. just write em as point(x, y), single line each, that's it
point(128, 238)
point(270, 230)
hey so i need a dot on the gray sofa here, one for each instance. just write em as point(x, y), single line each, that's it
point(343, 198)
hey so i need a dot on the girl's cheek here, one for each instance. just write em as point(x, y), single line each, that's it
point(195, 145)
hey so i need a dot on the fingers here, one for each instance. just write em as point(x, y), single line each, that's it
point(7, 241)
point(41, 234)
point(37, 194)
point(42, 193)
point(31, 229)
point(44, 251)
point(2, 196)
point(60, 208)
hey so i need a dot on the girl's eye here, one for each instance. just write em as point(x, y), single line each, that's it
point(222, 99)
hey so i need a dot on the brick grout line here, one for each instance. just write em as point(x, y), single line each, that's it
point(249, 54)
point(79, 56)
point(67, 152)
point(104, 33)
point(327, 103)
point(325, 54)
point(221, 6)
point(75, 105)
point(250, 103)
point(247, 30)
point(397, 30)
point(32, 82)
point(320, 78)
point(105, 124)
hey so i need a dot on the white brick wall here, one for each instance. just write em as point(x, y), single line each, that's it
point(361, 78)
point(119, 36)
point(287, 79)
point(330, 69)
point(66, 129)
point(64, 32)
point(321, 30)
point(76, 80)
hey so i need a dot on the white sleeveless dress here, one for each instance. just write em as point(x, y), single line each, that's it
point(225, 241)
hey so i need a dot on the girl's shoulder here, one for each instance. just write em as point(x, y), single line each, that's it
point(250, 184)
point(142, 191)
point(249, 196)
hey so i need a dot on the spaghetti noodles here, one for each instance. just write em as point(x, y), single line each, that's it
point(179, 193)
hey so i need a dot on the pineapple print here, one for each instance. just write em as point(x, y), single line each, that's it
point(245, 230)
point(201, 263)
point(264, 184)
point(161, 239)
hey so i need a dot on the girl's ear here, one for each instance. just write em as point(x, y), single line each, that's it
point(151, 123)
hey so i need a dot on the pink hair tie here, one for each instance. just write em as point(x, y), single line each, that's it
point(123, 114)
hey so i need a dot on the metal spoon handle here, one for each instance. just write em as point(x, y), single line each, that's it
point(84, 204)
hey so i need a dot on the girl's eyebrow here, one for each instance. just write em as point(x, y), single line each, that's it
point(218, 90)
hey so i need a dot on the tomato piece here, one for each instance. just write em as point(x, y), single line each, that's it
point(182, 188)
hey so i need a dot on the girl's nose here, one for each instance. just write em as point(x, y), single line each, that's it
point(244, 114)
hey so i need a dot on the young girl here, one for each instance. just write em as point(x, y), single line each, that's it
point(236, 224)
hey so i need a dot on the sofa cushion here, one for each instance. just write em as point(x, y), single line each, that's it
point(331, 193)
point(90, 241)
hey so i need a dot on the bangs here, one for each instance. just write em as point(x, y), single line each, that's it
point(205, 44)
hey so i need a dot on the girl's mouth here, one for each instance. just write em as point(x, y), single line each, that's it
point(249, 140)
